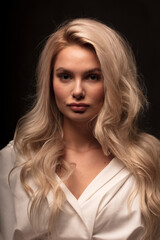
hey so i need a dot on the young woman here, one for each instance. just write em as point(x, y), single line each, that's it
point(81, 168)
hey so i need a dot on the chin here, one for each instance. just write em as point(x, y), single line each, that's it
point(80, 117)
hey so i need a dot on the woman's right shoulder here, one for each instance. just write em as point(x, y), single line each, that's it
point(7, 158)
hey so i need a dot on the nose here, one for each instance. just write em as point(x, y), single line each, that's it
point(78, 91)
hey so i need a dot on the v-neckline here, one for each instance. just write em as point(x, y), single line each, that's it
point(100, 179)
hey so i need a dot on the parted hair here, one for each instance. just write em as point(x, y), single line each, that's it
point(38, 139)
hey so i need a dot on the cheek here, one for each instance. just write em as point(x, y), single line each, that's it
point(58, 92)
point(98, 95)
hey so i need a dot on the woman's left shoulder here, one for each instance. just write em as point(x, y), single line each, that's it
point(7, 158)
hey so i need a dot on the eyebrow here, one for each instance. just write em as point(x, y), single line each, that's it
point(86, 72)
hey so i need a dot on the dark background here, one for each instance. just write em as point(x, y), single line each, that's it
point(27, 23)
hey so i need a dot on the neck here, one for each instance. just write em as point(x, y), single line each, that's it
point(78, 136)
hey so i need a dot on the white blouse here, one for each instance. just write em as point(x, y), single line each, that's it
point(100, 213)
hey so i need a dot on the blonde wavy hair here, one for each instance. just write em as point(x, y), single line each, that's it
point(38, 138)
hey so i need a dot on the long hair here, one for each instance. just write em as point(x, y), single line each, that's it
point(39, 135)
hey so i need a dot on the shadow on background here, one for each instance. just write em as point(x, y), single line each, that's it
point(26, 25)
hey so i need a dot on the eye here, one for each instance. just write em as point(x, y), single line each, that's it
point(94, 77)
point(64, 76)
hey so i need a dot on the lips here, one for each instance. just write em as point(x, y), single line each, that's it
point(78, 107)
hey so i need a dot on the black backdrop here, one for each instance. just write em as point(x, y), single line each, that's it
point(27, 23)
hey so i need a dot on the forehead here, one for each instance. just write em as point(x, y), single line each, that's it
point(77, 56)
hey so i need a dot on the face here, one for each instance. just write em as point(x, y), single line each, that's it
point(78, 83)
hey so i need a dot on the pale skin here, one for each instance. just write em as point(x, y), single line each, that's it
point(77, 79)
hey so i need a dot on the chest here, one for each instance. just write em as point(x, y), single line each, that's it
point(86, 168)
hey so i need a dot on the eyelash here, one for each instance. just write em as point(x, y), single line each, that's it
point(62, 76)
point(96, 76)
point(88, 77)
